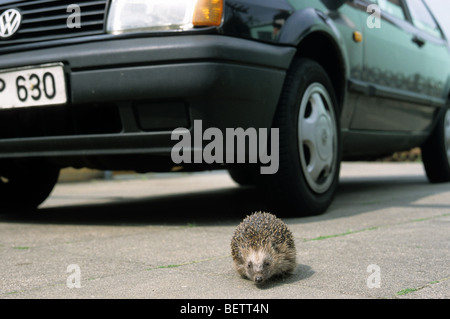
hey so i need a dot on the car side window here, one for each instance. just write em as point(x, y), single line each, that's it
point(422, 18)
point(393, 7)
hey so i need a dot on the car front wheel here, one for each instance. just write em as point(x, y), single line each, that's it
point(309, 144)
point(24, 186)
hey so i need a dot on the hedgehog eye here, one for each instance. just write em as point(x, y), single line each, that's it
point(249, 264)
point(275, 247)
point(266, 264)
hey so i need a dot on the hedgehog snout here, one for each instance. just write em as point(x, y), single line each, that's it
point(260, 273)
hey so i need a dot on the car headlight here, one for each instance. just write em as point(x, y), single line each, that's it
point(148, 15)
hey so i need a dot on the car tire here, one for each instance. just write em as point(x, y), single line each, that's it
point(436, 152)
point(25, 187)
point(244, 175)
point(309, 145)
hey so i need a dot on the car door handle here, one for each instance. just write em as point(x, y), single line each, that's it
point(419, 41)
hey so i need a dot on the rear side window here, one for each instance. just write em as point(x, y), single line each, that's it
point(422, 18)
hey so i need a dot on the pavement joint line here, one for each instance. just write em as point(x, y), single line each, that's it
point(407, 291)
point(350, 232)
point(322, 237)
point(405, 198)
point(169, 228)
point(59, 283)
point(188, 263)
point(21, 291)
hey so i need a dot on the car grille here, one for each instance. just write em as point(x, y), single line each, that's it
point(45, 20)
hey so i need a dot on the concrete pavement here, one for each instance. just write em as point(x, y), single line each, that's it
point(156, 236)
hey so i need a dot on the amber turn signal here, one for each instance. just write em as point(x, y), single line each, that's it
point(208, 13)
point(357, 36)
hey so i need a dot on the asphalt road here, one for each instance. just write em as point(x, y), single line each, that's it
point(157, 236)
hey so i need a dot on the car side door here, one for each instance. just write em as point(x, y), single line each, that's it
point(434, 46)
point(394, 74)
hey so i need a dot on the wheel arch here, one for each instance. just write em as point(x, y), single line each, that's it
point(321, 48)
point(317, 38)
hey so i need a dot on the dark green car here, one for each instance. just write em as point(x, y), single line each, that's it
point(121, 84)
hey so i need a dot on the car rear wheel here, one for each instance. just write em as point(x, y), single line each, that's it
point(24, 186)
point(310, 147)
point(436, 152)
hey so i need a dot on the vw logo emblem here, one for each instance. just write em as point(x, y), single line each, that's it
point(9, 22)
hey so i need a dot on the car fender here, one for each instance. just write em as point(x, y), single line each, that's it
point(305, 22)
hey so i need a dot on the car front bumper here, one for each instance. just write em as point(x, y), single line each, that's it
point(226, 82)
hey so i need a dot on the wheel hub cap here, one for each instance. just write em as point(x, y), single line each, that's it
point(317, 138)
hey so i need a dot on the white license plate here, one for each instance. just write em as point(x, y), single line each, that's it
point(33, 86)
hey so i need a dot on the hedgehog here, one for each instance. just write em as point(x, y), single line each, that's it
point(262, 247)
